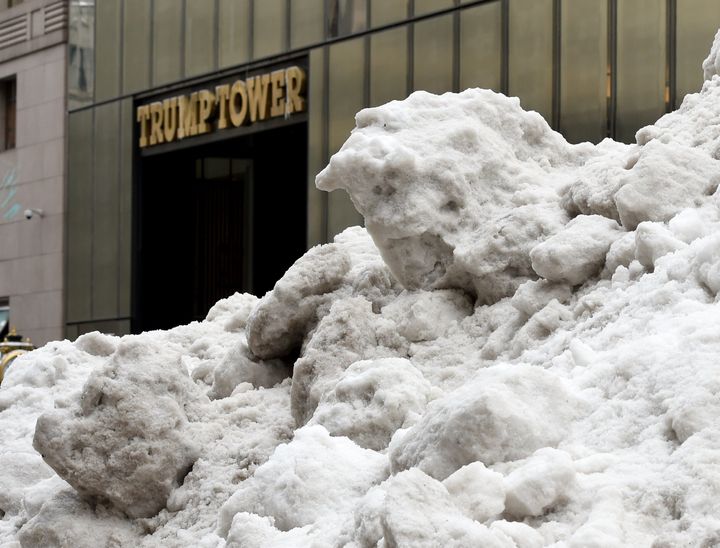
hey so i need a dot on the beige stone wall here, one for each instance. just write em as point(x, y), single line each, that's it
point(32, 176)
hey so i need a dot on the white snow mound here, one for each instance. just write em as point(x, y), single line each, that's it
point(521, 350)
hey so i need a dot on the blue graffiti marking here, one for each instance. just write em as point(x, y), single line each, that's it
point(7, 187)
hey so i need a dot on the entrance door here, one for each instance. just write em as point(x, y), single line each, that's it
point(222, 241)
point(215, 219)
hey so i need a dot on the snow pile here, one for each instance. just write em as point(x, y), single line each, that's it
point(519, 351)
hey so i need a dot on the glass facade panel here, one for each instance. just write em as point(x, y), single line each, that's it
point(346, 17)
point(125, 206)
point(530, 52)
point(316, 199)
point(481, 47)
point(306, 22)
point(383, 12)
point(199, 37)
point(167, 41)
point(105, 211)
point(641, 61)
point(345, 89)
point(583, 70)
point(697, 23)
point(388, 73)
point(136, 40)
point(433, 55)
point(234, 29)
point(79, 216)
point(107, 50)
point(81, 53)
point(428, 6)
point(268, 28)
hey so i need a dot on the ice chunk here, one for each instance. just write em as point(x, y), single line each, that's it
point(477, 491)
point(666, 179)
point(240, 365)
point(413, 509)
point(128, 440)
point(577, 252)
point(347, 334)
point(533, 296)
point(372, 399)
point(284, 316)
point(427, 315)
point(64, 520)
point(711, 64)
point(541, 481)
point(652, 241)
point(313, 477)
point(504, 413)
point(455, 192)
point(233, 312)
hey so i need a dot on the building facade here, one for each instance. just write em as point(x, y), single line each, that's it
point(196, 128)
point(33, 35)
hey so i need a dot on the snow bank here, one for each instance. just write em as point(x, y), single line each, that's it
point(519, 351)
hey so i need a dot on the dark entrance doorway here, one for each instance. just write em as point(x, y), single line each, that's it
point(214, 219)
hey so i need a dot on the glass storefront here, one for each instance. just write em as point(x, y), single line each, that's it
point(592, 68)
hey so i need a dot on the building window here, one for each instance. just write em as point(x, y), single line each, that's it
point(7, 113)
point(346, 17)
point(4, 317)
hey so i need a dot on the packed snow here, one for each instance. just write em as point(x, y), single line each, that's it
point(519, 350)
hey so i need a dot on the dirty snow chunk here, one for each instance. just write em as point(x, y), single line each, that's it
point(240, 365)
point(577, 252)
point(427, 315)
point(284, 315)
point(372, 399)
point(413, 509)
point(711, 64)
point(97, 344)
point(533, 296)
point(503, 413)
point(621, 253)
point(455, 189)
point(541, 481)
point(666, 179)
point(127, 440)
point(65, 520)
point(350, 332)
point(234, 311)
point(652, 241)
point(477, 491)
point(313, 477)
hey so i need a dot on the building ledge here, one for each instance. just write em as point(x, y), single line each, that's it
point(32, 25)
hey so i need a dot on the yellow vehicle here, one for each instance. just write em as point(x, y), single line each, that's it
point(12, 346)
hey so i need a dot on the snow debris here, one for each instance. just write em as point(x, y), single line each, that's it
point(515, 410)
point(577, 252)
point(519, 351)
point(128, 440)
point(350, 332)
point(477, 491)
point(463, 208)
point(413, 509)
point(313, 477)
point(541, 481)
point(372, 399)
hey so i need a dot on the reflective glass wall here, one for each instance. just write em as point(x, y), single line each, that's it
point(592, 68)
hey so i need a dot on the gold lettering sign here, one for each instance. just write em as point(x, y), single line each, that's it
point(261, 97)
